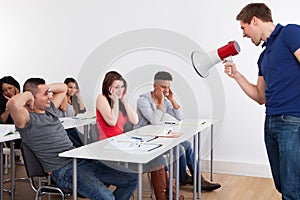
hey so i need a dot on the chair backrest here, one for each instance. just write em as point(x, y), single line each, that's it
point(93, 133)
point(32, 164)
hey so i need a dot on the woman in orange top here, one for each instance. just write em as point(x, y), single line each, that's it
point(112, 109)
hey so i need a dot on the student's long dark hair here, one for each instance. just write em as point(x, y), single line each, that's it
point(9, 80)
point(109, 78)
point(74, 98)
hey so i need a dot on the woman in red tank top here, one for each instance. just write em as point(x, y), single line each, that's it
point(112, 109)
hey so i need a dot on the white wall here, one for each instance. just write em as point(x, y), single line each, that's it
point(54, 39)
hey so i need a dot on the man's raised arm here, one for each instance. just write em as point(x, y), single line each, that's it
point(18, 107)
point(59, 93)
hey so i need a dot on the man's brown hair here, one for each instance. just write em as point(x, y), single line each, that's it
point(259, 10)
point(32, 84)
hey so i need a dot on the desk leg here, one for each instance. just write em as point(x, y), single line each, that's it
point(12, 169)
point(199, 165)
point(171, 174)
point(196, 164)
point(177, 171)
point(1, 170)
point(74, 178)
point(211, 151)
point(140, 181)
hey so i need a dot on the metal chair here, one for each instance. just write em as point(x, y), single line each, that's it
point(8, 164)
point(34, 169)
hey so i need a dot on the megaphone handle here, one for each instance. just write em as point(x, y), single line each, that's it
point(228, 59)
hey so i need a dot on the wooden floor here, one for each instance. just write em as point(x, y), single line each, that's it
point(233, 188)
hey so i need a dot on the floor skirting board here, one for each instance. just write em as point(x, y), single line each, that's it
point(238, 168)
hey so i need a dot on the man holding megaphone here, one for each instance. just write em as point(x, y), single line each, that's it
point(278, 87)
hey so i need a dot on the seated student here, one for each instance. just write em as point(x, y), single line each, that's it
point(9, 87)
point(70, 107)
point(151, 108)
point(113, 111)
point(33, 112)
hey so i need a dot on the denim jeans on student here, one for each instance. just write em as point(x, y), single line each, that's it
point(73, 134)
point(186, 158)
point(92, 178)
point(282, 139)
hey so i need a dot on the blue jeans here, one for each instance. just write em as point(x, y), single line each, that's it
point(92, 178)
point(186, 158)
point(73, 134)
point(282, 139)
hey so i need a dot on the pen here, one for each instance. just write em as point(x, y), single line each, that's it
point(9, 133)
point(173, 123)
point(152, 139)
point(137, 138)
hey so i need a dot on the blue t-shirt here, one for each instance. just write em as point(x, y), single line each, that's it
point(281, 71)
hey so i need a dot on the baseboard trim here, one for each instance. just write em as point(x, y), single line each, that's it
point(237, 168)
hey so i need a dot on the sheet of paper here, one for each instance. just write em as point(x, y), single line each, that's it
point(6, 129)
point(131, 143)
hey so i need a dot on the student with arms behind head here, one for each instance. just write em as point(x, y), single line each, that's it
point(278, 88)
point(70, 107)
point(33, 112)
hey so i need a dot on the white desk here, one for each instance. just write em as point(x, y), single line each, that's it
point(80, 120)
point(4, 129)
point(190, 128)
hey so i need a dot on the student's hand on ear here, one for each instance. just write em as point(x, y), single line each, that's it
point(30, 102)
point(123, 96)
point(113, 95)
point(6, 97)
point(17, 90)
point(170, 96)
point(159, 95)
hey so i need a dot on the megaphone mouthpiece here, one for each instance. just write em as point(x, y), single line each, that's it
point(202, 62)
